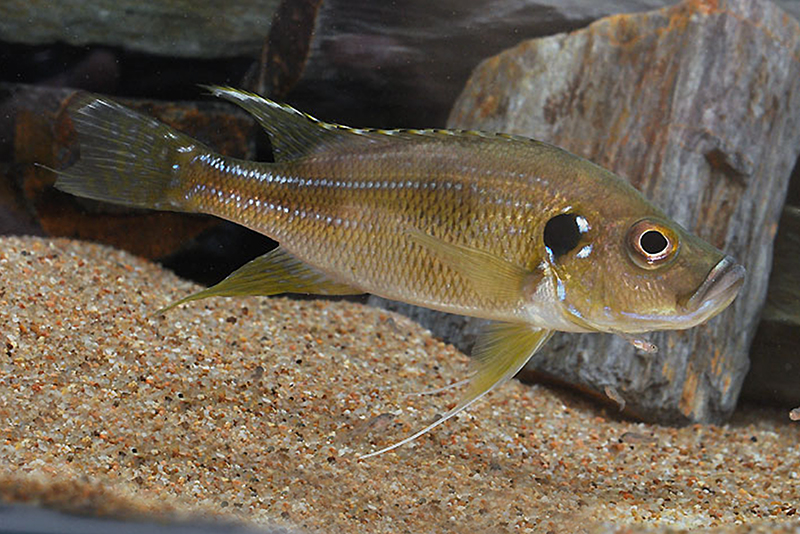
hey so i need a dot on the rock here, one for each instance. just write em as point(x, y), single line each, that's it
point(698, 105)
point(376, 65)
point(180, 28)
point(370, 63)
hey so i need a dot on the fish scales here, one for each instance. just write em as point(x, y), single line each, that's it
point(345, 213)
point(493, 226)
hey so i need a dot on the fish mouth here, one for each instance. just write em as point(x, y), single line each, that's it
point(720, 287)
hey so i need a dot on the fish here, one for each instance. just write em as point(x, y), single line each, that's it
point(490, 225)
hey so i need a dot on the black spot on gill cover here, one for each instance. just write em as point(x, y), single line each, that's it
point(562, 234)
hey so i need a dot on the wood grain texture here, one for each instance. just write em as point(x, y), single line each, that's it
point(698, 105)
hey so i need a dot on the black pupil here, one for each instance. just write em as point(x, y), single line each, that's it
point(561, 234)
point(653, 242)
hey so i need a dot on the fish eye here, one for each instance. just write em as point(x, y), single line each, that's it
point(562, 233)
point(651, 245)
point(653, 242)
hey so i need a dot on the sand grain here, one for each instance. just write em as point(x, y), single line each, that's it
point(257, 408)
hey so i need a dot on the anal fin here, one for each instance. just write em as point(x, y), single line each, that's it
point(501, 351)
point(271, 274)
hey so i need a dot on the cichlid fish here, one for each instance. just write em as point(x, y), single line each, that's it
point(487, 225)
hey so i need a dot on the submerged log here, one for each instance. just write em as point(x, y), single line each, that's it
point(698, 105)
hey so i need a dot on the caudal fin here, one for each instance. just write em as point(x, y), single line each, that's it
point(126, 157)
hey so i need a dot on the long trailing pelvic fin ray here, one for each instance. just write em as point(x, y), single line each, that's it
point(501, 351)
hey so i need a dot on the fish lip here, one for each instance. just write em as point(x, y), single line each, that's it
point(719, 288)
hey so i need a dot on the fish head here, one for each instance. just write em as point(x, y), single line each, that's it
point(635, 271)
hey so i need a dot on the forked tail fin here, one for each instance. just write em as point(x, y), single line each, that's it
point(126, 157)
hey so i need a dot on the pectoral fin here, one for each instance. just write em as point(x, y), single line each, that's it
point(273, 273)
point(501, 351)
point(488, 273)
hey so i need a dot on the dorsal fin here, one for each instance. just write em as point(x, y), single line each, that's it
point(293, 133)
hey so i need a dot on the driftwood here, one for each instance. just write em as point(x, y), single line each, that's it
point(698, 105)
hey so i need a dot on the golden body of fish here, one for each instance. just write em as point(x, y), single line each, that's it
point(491, 226)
